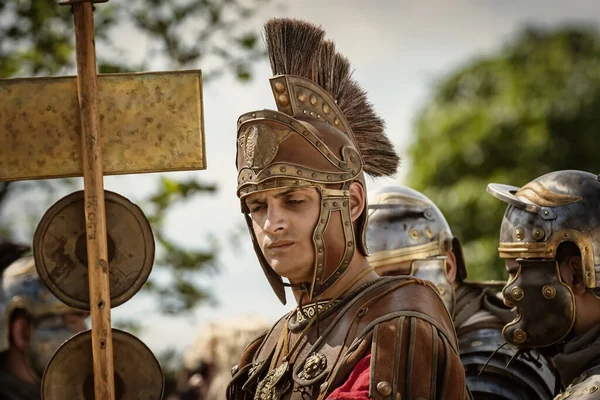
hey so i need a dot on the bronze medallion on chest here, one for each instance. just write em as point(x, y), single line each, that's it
point(314, 366)
point(277, 383)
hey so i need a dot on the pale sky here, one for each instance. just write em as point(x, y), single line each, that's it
point(398, 48)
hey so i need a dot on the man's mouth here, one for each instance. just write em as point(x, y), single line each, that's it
point(280, 245)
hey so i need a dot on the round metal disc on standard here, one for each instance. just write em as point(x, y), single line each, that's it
point(60, 249)
point(70, 371)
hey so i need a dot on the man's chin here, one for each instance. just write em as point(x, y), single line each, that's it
point(288, 271)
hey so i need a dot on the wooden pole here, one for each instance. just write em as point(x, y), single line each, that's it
point(95, 217)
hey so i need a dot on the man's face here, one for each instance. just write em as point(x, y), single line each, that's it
point(50, 332)
point(283, 221)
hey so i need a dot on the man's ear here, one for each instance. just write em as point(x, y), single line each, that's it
point(451, 267)
point(358, 200)
point(20, 333)
point(575, 265)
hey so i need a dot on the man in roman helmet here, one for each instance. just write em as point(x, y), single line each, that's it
point(301, 182)
point(550, 240)
point(407, 234)
point(33, 324)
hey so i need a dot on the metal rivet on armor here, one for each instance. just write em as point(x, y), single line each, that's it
point(336, 121)
point(325, 108)
point(282, 169)
point(347, 223)
point(279, 87)
point(361, 313)
point(384, 388)
point(538, 233)
point(323, 387)
point(519, 234)
point(320, 266)
point(546, 212)
point(592, 389)
point(284, 100)
point(303, 111)
point(516, 293)
point(414, 234)
point(267, 173)
point(441, 289)
point(312, 114)
point(301, 97)
point(428, 232)
point(234, 370)
point(350, 244)
point(345, 203)
point(318, 116)
point(314, 175)
point(328, 177)
point(313, 99)
point(320, 250)
point(322, 221)
point(335, 204)
point(346, 262)
point(549, 291)
point(519, 336)
point(253, 115)
point(299, 172)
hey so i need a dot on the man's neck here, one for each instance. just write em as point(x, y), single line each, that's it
point(349, 280)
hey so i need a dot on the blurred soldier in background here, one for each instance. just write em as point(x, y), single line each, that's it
point(550, 239)
point(408, 235)
point(33, 324)
point(209, 360)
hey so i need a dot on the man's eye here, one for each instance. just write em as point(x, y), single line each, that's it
point(295, 201)
point(256, 208)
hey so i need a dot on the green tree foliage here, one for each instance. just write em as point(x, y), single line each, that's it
point(37, 35)
point(37, 38)
point(530, 109)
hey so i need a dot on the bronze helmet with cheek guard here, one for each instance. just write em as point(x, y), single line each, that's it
point(561, 206)
point(405, 226)
point(324, 135)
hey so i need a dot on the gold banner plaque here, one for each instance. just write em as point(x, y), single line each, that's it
point(150, 122)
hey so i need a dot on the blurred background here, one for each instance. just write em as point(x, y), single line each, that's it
point(472, 92)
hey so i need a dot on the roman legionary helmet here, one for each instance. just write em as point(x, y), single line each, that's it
point(21, 289)
point(559, 207)
point(325, 134)
point(406, 227)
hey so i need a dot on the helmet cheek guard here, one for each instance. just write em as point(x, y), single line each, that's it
point(545, 305)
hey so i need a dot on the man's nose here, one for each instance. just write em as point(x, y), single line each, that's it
point(275, 220)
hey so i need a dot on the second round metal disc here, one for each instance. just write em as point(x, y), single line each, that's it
point(60, 251)
point(70, 371)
